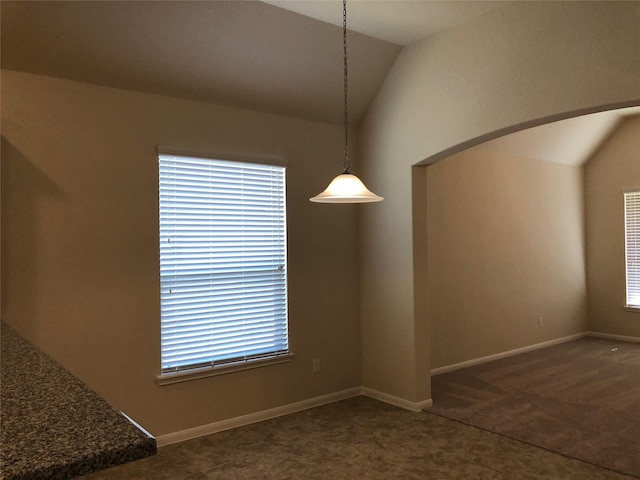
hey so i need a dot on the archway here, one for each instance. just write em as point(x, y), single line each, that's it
point(499, 240)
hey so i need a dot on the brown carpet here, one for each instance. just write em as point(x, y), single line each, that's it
point(356, 439)
point(580, 399)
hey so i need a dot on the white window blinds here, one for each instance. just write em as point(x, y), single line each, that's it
point(223, 265)
point(632, 246)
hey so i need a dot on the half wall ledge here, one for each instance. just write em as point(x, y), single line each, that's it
point(53, 425)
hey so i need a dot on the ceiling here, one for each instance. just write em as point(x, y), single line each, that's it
point(571, 142)
point(274, 56)
point(397, 21)
point(282, 57)
point(247, 54)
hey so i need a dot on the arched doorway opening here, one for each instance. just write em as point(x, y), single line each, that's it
point(503, 223)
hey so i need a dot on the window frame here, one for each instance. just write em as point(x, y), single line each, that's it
point(277, 356)
point(635, 193)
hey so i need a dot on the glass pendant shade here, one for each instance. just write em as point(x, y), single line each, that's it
point(346, 188)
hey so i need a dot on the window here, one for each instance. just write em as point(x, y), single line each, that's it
point(632, 247)
point(223, 265)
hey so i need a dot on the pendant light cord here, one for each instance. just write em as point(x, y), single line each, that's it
point(346, 118)
point(346, 188)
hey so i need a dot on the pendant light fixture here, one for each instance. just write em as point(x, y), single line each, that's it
point(346, 187)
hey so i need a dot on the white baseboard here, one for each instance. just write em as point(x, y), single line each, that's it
point(396, 401)
point(610, 336)
point(509, 353)
point(242, 420)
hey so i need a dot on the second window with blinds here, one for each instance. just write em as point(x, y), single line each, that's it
point(223, 266)
point(632, 248)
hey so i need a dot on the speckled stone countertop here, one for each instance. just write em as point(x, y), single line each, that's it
point(52, 425)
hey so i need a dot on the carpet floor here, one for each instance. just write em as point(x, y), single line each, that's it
point(355, 439)
point(580, 399)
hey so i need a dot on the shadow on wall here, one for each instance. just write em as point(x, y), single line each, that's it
point(21, 254)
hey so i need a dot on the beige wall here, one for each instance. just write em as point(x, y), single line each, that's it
point(80, 245)
point(614, 168)
point(79, 206)
point(521, 65)
point(505, 247)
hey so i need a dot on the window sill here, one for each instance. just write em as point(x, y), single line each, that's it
point(197, 373)
point(629, 308)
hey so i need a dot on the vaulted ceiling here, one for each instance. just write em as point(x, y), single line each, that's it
point(571, 142)
point(279, 57)
point(397, 21)
point(282, 57)
point(248, 54)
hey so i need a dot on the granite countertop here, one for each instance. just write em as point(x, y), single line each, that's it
point(52, 425)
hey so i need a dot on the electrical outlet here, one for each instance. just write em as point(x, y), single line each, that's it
point(316, 365)
point(540, 322)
